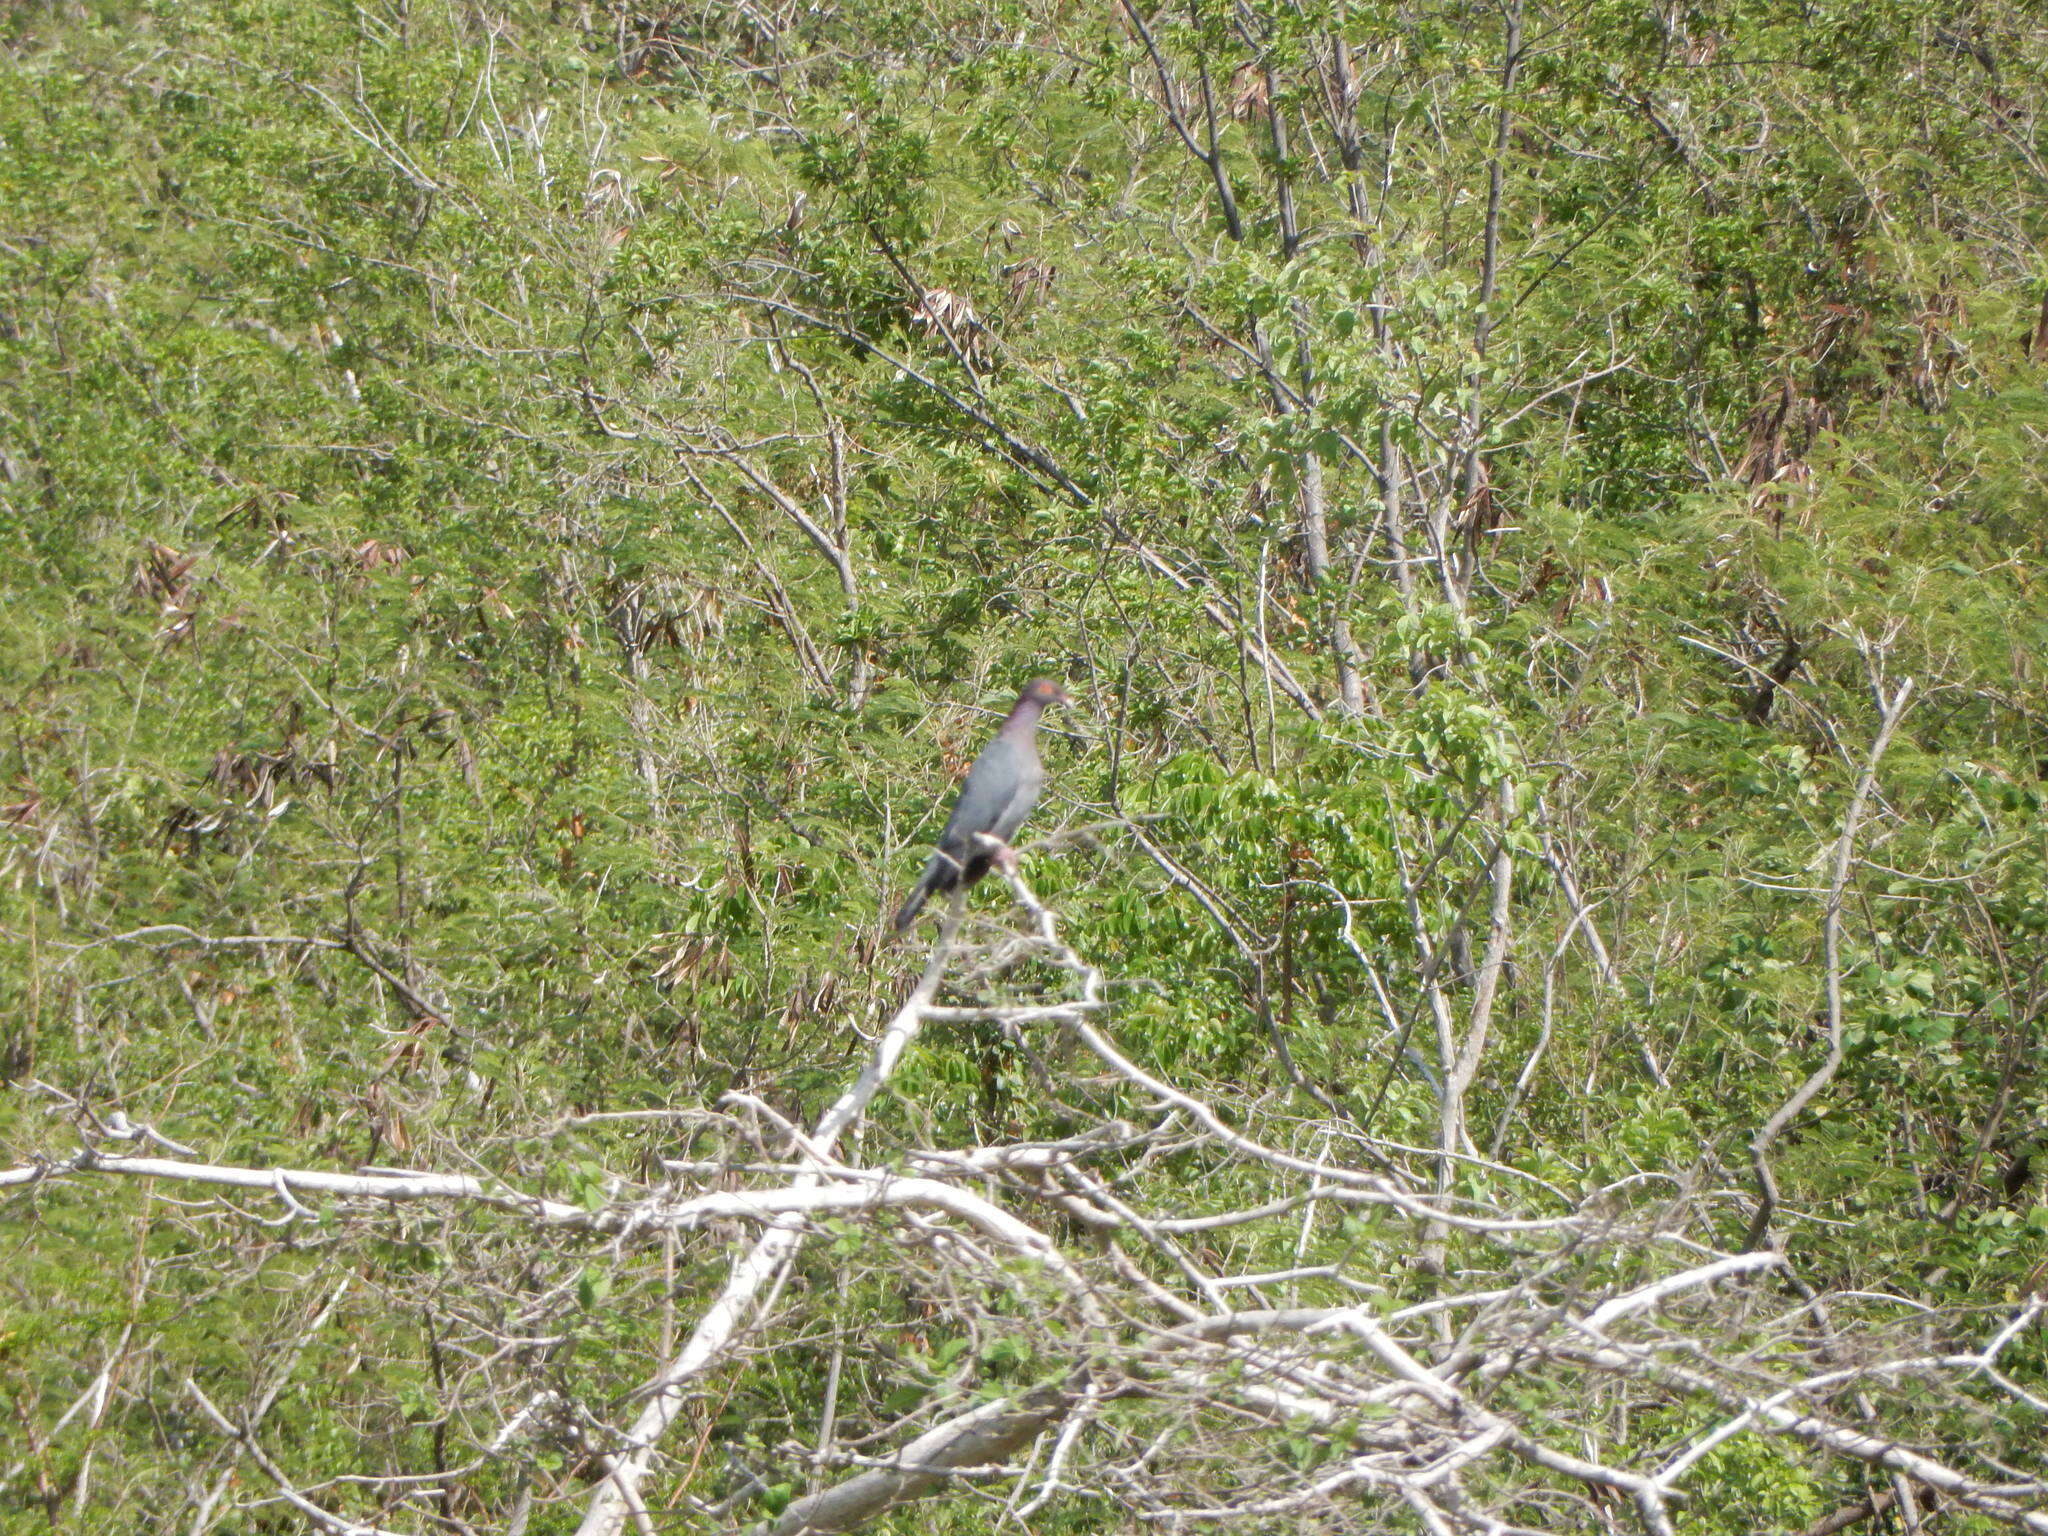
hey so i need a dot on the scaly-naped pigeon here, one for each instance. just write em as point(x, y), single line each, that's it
point(1001, 788)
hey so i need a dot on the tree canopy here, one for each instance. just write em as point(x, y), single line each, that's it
point(515, 514)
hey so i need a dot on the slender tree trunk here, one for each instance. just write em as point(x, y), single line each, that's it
point(1461, 1059)
point(1462, 566)
point(1309, 475)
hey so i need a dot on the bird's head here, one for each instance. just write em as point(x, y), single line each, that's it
point(1043, 691)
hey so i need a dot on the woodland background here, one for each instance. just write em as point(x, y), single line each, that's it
point(514, 514)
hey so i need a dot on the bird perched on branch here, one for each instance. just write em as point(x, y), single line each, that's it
point(1000, 790)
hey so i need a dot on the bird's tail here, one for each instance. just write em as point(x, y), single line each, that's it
point(912, 905)
point(939, 875)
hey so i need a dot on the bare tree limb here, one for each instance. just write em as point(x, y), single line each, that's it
point(1838, 883)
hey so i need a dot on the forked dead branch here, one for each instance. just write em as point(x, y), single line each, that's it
point(1225, 1313)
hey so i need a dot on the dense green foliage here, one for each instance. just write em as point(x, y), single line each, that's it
point(524, 507)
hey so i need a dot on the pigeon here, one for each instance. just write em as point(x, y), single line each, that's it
point(1000, 790)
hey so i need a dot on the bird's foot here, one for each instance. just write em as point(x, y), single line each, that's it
point(1000, 853)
